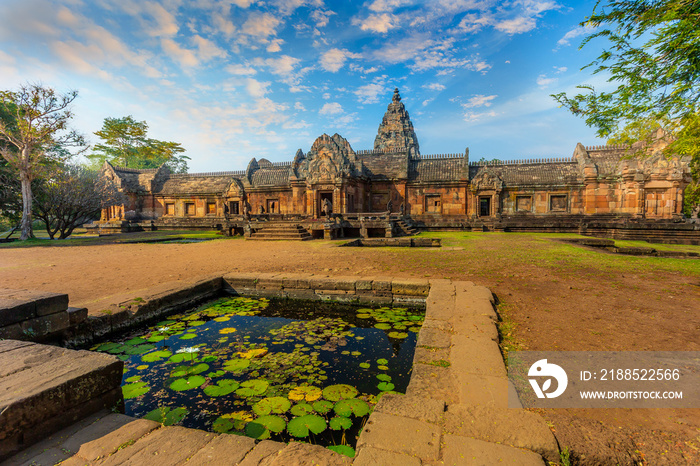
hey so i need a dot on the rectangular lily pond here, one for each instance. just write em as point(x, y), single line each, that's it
point(283, 370)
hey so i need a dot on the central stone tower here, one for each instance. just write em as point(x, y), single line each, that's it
point(396, 130)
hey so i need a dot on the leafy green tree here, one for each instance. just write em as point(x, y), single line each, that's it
point(34, 133)
point(125, 143)
point(72, 195)
point(653, 55)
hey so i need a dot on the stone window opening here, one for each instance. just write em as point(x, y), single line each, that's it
point(433, 204)
point(211, 208)
point(190, 209)
point(523, 203)
point(558, 203)
point(169, 208)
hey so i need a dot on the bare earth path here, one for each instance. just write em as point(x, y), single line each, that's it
point(553, 296)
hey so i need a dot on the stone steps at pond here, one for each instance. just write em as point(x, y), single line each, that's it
point(46, 388)
point(281, 231)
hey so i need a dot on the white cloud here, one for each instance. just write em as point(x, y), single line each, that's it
point(543, 81)
point(376, 23)
point(261, 25)
point(473, 22)
point(242, 3)
point(516, 25)
point(574, 33)
point(256, 88)
point(241, 70)
point(360, 69)
point(479, 100)
point(472, 116)
point(207, 49)
point(321, 17)
point(284, 65)
point(434, 86)
point(299, 106)
point(326, 96)
point(330, 108)
point(274, 45)
point(185, 57)
point(334, 59)
point(369, 93)
point(164, 23)
point(403, 49)
point(561, 69)
point(387, 5)
point(427, 101)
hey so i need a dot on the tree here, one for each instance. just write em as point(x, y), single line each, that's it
point(125, 143)
point(72, 195)
point(36, 133)
point(654, 58)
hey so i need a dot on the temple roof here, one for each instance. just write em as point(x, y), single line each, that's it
point(543, 173)
point(396, 129)
point(195, 184)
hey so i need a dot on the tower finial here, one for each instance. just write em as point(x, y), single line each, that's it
point(397, 97)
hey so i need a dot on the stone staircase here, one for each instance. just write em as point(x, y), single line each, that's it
point(406, 228)
point(281, 231)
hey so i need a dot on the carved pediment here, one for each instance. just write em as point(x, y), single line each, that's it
point(329, 158)
point(487, 179)
point(235, 189)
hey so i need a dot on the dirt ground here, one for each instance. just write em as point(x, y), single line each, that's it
point(552, 296)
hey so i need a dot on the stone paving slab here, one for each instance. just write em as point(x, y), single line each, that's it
point(401, 435)
point(107, 435)
point(45, 388)
point(167, 446)
point(424, 409)
point(224, 450)
point(263, 453)
point(304, 454)
point(369, 456)
point(428, 381)
point(480, 356)
point(460, 451)
point(515, 427)
point(434, 338)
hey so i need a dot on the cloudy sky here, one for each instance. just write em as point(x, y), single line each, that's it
point(235, 79)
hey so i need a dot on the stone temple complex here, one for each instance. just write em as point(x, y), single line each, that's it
point(335, 191)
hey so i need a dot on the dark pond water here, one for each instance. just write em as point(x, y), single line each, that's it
point(281, 370)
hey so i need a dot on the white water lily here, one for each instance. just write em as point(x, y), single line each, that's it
point(163, 329)
point(190, 350)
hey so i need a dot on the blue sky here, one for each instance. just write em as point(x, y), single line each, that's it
point(236, 79)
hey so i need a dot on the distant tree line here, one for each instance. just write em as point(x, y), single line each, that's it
point(39, 175)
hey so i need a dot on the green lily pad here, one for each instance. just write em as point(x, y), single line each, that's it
point(383, 368)
point(134, 390)
point(261, 427)
point(187, 383)
point(197, 323)
point(346, 450)
point(322, 406)
point(339, 423)
point(382, 326)
point(382, 362)
point(222, 425)
point(302, 409)
point(156, 356)
point(224, 387)
point(354, 406)
point(135, 341)
point(139, 349)
point(304, 393)
point(363, 316)
point(365, 365)
point(108, 346)
point(182, 371)
point(166, 415)
point(133, 379)
point(384, 377)
point(272, 405)
point(385, 386)
point(301, 426)
point(236, 365)
point(414, 329)
point(339, 392)
point(156, 338)
point(398, 335)
point(180, 357)
point(215, 374)
point(188, 336)
point(252, 388)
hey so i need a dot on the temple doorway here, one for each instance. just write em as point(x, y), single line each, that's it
point(484, 206)
point(322, 196)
